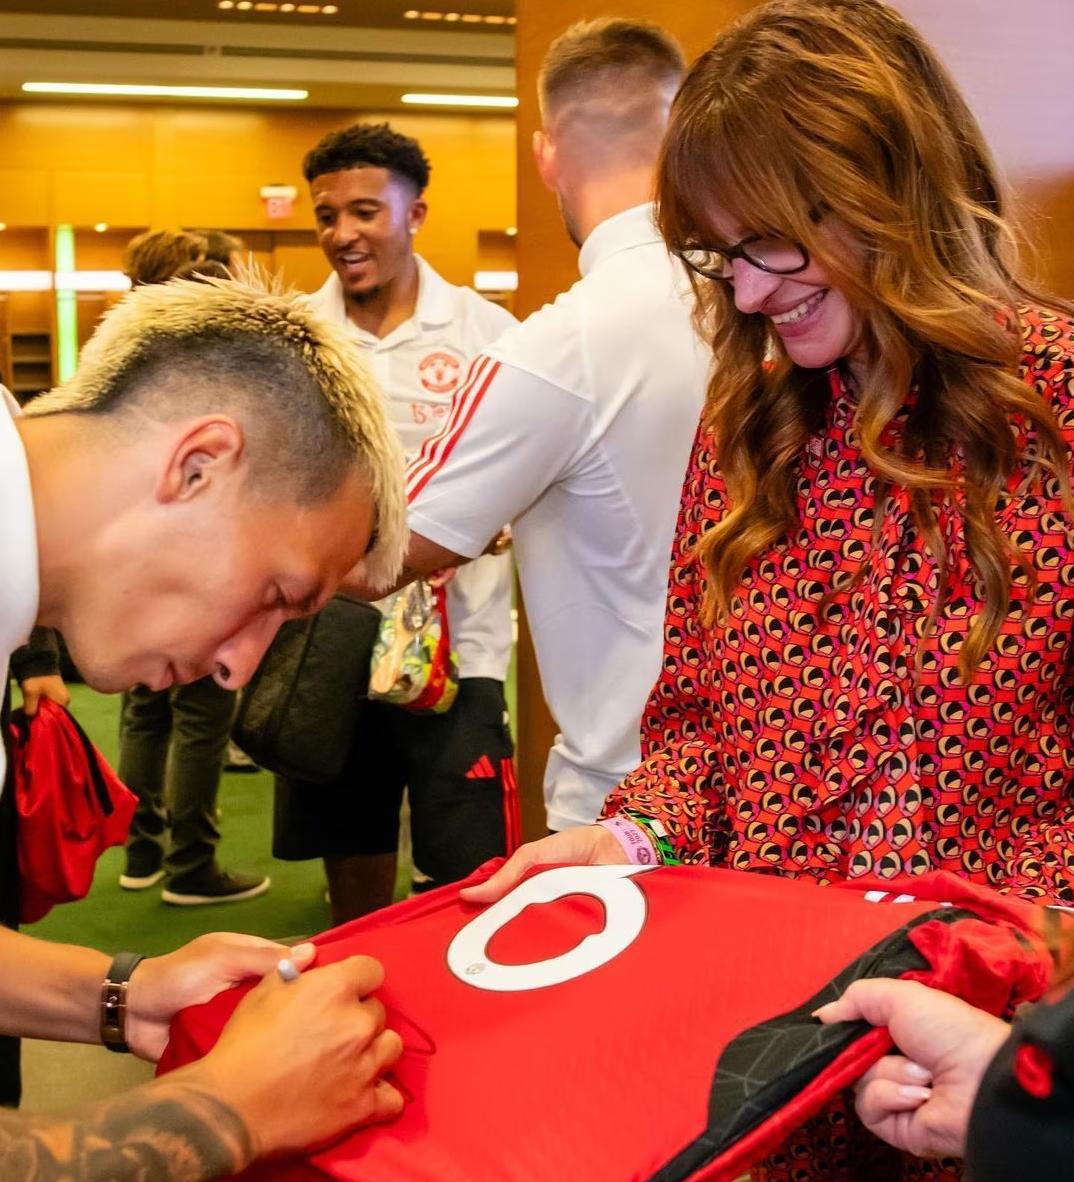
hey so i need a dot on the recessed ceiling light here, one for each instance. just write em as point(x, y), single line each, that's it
point(244, 5)
point(127, 90)
point(3, 226)
point(511, 231)
point(329, 9)
point(226, 4)
point(461, 100)
point(466, 18)
point(265, 6)
point(287, 8)
point(100, 227)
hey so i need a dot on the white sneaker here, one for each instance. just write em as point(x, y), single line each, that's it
point(133, 882)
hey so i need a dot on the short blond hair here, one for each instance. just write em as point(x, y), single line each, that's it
point(594, 52)
point(310, 409)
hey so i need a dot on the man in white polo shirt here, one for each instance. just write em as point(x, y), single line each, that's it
point(576, 426)
point(417, 333)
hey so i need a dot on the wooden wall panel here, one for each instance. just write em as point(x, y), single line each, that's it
point(79, 198)
point(174, 166)
point(1013, 63)
point(26, 250)
point(25, 197)
point(301, 266)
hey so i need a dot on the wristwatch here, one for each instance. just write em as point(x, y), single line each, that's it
point(114, 1001)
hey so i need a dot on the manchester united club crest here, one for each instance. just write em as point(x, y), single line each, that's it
point(439, 372)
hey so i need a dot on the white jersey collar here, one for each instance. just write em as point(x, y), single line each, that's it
point(432, 309)
point(632, 227)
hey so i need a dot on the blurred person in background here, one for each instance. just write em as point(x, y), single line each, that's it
point(417, 333)
point(172, 742)
point(221, 247)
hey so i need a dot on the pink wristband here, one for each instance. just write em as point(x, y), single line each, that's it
point(634, 840)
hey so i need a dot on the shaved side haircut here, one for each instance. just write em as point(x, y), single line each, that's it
point(310, 411)
point(611, 82)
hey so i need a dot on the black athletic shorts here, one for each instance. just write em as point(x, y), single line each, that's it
point(456, 767)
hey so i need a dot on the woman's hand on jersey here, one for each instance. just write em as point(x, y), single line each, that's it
point(920, 1100)
point(586, 845)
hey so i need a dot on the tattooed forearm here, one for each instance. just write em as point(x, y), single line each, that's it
point(159, 1133)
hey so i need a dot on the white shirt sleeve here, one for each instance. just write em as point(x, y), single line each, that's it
point(508, 438)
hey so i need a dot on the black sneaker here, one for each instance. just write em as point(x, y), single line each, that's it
point(218, 886)
point(141, 872)
point(236, 760)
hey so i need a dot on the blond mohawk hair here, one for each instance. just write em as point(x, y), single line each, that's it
point(310, 408)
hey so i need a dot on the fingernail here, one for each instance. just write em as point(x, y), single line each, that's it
point(912, 1092)
point(302, 951)
point(916, 1071)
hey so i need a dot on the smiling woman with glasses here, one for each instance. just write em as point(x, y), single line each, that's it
point(777, 256)
point(867, 665)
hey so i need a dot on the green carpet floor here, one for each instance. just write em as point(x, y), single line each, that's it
point(110, 918)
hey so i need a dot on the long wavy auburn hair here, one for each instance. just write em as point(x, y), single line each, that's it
point(828, 122)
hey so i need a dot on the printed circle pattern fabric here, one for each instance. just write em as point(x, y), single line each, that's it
point(781, 742)
point(785, 742)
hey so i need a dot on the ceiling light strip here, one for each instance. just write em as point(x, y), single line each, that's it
point(64, 281)
point(488, 101)
point(130, 90)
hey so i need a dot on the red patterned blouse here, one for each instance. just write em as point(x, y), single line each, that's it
point(778, 742)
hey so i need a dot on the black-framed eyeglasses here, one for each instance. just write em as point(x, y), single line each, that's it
point(778, 256)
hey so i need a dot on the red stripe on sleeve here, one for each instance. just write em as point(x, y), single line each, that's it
point(435, 450)
point(511, 812)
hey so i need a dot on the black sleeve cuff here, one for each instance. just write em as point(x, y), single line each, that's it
point(40, 657)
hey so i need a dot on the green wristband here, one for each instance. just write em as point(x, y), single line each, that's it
point(658, 835)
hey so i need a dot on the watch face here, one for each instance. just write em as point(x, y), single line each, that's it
point(114, 1000)
point(113, 1015)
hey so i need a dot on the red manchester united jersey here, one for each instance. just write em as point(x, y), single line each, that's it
point(609, 1023)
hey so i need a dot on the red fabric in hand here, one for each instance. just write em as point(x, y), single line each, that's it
point(70, 808)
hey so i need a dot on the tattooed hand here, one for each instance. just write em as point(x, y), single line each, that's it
point(299, 1063)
